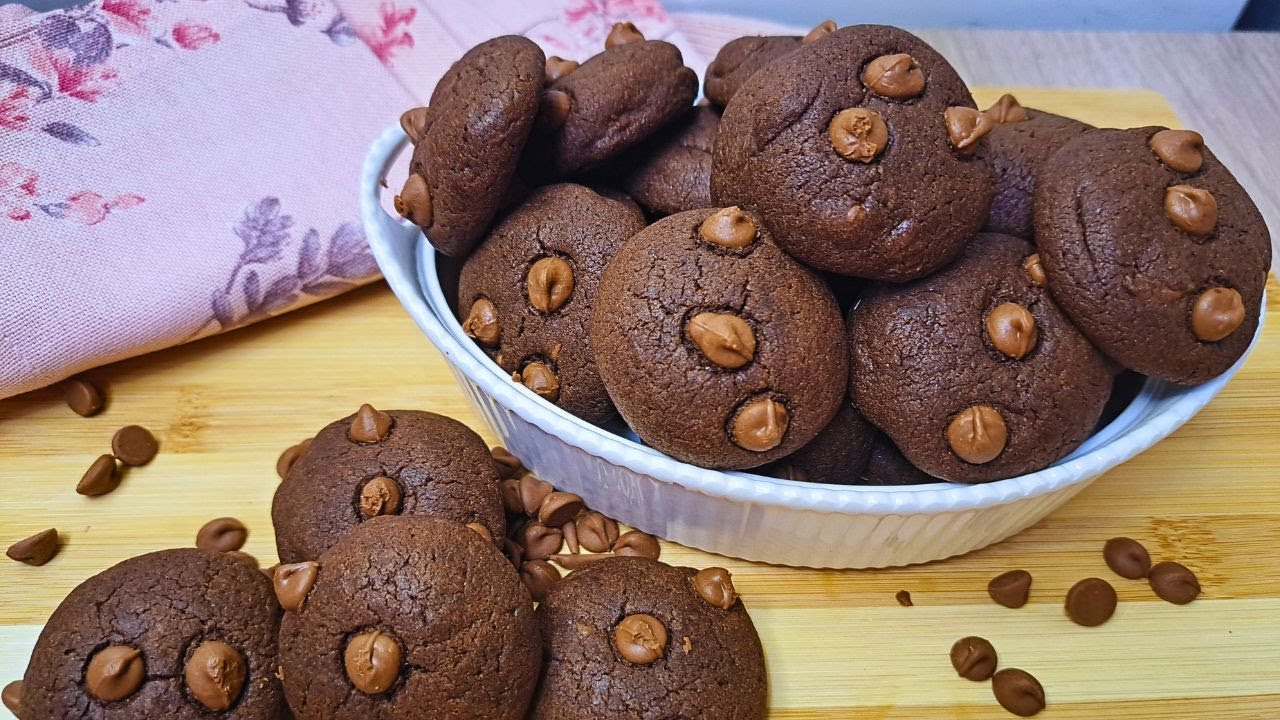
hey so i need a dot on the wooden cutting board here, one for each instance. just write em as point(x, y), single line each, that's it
point(838, 644)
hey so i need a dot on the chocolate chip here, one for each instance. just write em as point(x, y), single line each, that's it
point(538, 576)
point(1174, 582)
point(115, 672)
point(641, 639)
point(511, 502)
point(414, 123)
point(293, 581)
point(12, 698)
point(965, 127)
point(380, 496)
point(222, 534)
point(622, 33)
point(290, 456)
point(215, 675)
point(508, 465)
point(977, 434)
point(729, 227)
point(1010, 589)
point(559, 508)
point(481, 324)
point(134, 445)
point(1216, 313)
point(974, 658)
point(896, 76)
point(1127, 557)
point(558, 67)
point(638, 544)
point(570, 532)
point(577, 562)
point(83, 397)
point(539, 541)
point(481, 530)
point(819, 31)
point(372, 661)
point(1035, 269)
point(35, 550)
point(726, 340)
point(1191, 208)
point(1007, 110)
point(904, 598)
point(858, 134)
point(553, 110)
point(596, 532)
point(541, 379)
point(532, 493)
point(414, 201)
point(513, 551)
point(370, 425)
point(550, 283)
point(1018, 692)
point(759, 425)
point(1091, 602)
point(1179, 150)
point(715, 586)
point(102, 477)
point(1012, 329)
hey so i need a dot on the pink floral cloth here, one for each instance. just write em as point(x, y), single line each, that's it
point(170, 169)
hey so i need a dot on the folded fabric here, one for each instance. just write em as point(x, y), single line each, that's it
point(171, 170)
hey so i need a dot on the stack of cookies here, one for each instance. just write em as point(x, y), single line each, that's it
point(835, 267)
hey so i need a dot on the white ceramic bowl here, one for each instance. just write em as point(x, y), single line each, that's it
point(739, 514)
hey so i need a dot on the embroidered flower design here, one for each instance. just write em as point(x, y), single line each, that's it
point(16, 102)
point(127, 16)
point(89, 208)
point(17, 188)
point(193, 36)
point(392, 34)
point(70, 78)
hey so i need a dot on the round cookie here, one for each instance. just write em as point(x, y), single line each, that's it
point(468, 141)
point(635, 638)
point(423, 464)
point(716, 347)
point(838, 455)
point(739, 59)
point(671, 172)
point(887, 466)
point(182, 633)
point(1154, 249)
point(849, 147)
point(608, 104)
point(974, 372)
point(1018, 147)
point(410, 617)
point(525, 294)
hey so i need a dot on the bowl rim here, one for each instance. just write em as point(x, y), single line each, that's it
point(1133, 430)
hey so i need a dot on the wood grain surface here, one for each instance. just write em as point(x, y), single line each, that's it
point(837, 642)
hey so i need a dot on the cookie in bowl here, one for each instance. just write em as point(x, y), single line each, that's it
point(740, 58)
point(671, 172)
point(839, 454)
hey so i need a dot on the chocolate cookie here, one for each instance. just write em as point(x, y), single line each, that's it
point(1019, 145)
point(608, 104)
point(671, 172)
point(172, 634)
point(740, 59)
point(634, 638)
point(469, 139)
point(974, 372)
point(403, 462)
point(837, 455)
point(1154, 250)
point(887, 466)
point(525, 294)
point(716, 347)
point(409, 617)
point(858, 149)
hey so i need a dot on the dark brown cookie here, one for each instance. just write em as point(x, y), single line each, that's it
point(716, 347)
point(526, 292)
point(858, 151)
point(887, 466)
point(425, 464)
point(171, 634)
point(1019, 145)
point(671, 172)
point(635, 638)
point(740, 59)
point(1162, 268)
point(974, 372)
point(469, 140)
point(838, 454)
point(610, 103)
point(411, 617)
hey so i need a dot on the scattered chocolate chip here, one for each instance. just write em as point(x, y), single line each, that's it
point(1007, 110)
point(570, 532)
point(559, 508)
point(1127, 557)
point(83, 397)
point(481, 324)
point(541, 379)
point(1018, 692)
point(538, 576)
point(622, 33)
point(372, 661)
point(1191, 208)
point(858, 134)
point(904, 598)
point(1012, 329)
point(636, 543)
point(577, 562)
point(102, 477)
point(222, 534)
point(12, 698)
point(414, 123)
point(819, 31)
point(134, 445)
point(724, 339)
point(293, 581)
point(1217, 313)
point(481, 530)
point(380, 496)
point(513, 551)
point(641, 639)
point(1180, 150)
point(539, 541)
point(759, 425)
point(553, 111)
point(596, 532)
point(414, 201)
point(715, 586)
point(215, 674)
point(549, 283)
point(1091, 602)
point(977, 434)
point(511, 502)
point(558, 67)
point(1010, 589)
point(35, 550)
point(1174, 582)
point(965, 127)
point(729, 227)
point(1035, 269)
point(508, 465)
point(896, 76)
point(974, 658)
point(115, 672)
point(290, 456)
point(370, 425)
point(533, 492)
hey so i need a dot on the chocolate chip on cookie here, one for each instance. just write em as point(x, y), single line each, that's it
point(838, 454)
point(671, 172)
